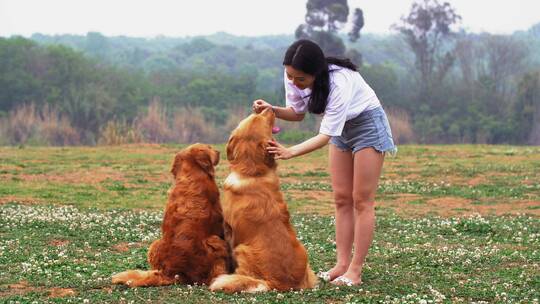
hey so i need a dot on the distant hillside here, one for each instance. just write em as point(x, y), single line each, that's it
point(375, 47)
point(163, 42)
point(97, 86)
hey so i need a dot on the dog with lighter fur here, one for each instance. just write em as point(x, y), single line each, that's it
point(266, 251)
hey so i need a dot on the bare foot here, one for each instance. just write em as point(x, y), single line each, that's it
point(333, 273)
point(347, 279)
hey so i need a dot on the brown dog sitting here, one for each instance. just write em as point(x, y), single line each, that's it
point(191, 249)
point(265, 248)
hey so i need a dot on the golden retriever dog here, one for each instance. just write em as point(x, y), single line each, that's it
point(191, 249)
point(267, 253)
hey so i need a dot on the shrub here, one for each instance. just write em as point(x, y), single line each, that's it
point(401, 126)
point(56, 129)
point(47, 126)
point(153, 125)
point(190, 126)
point(119, 133)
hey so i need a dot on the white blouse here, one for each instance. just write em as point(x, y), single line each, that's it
point(349, 96)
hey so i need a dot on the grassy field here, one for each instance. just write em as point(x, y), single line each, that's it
point(455, 224)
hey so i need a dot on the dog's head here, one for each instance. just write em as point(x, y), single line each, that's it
point(246, 149)
point(196, 155)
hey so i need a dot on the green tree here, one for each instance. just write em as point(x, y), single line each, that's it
point(527, 110)
point(324, 19)
point(20, 64)
point(426, 30)
point(490, 67)
point(383, 79)
point(97, 45)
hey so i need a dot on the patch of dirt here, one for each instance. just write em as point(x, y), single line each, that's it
point(23, 287)
point(146, 148)
point(94, 176)
point(20, 200)
point(302, 168)
point(16, 289)
point(455, 207)
point(58, 243)
point(412, 205)
point(477, 181)
point(412, 176)
point(407, 197)
point(303, 179)
point(61, 292)
point(530, 181)
point(124, 247)
point(20, 285)
point(121, 247)
point(320, 202)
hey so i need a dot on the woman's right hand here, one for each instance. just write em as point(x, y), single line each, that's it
point(259, 105)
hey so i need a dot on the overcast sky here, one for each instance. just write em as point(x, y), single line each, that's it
point(180, 18)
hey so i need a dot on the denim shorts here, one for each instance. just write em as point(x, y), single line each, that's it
point(368, 129)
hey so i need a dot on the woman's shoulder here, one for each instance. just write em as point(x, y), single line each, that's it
point(340, 75)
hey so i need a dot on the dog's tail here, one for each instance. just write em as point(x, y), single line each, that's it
point(230, 283)
point(142, 278)
point(310, 279)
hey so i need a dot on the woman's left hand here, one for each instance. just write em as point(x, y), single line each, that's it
point(278, 150)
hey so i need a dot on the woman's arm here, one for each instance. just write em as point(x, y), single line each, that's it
point(283, 113)
point(287, 114)
point(312, 144)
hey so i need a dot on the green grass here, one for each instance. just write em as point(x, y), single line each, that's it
point(451, 259)
point(138, 177)
point(71, 217)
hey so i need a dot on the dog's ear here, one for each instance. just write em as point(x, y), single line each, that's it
point(214, 157)
point(268, 158)
point(177, 164)
point(215, 245)
point(205, 161)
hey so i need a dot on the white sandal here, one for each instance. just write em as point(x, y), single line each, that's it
point(324, 275)
point(344, 281)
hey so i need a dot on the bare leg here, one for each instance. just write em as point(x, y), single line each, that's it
point(367, 170)
point(341, 172)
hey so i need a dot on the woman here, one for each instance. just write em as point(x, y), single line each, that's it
point(358, 130)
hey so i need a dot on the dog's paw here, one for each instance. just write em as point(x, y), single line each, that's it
point(122, 278)
point(219, 282)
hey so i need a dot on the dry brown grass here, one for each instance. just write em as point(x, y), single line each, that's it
point(190, 126)
point(119, 133)
point(156, 125)
point(153, 125)
point(400, 123)
point(46, 125)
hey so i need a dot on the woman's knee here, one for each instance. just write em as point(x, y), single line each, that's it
point(343, 199)
point(363, 202)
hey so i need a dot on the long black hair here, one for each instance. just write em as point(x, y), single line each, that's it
point(306, 56)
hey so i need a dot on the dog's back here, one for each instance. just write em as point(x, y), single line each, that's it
point(192, 249)
point(192, 233)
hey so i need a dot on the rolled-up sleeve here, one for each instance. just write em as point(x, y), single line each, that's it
point(293, 99)
point(335, 114)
